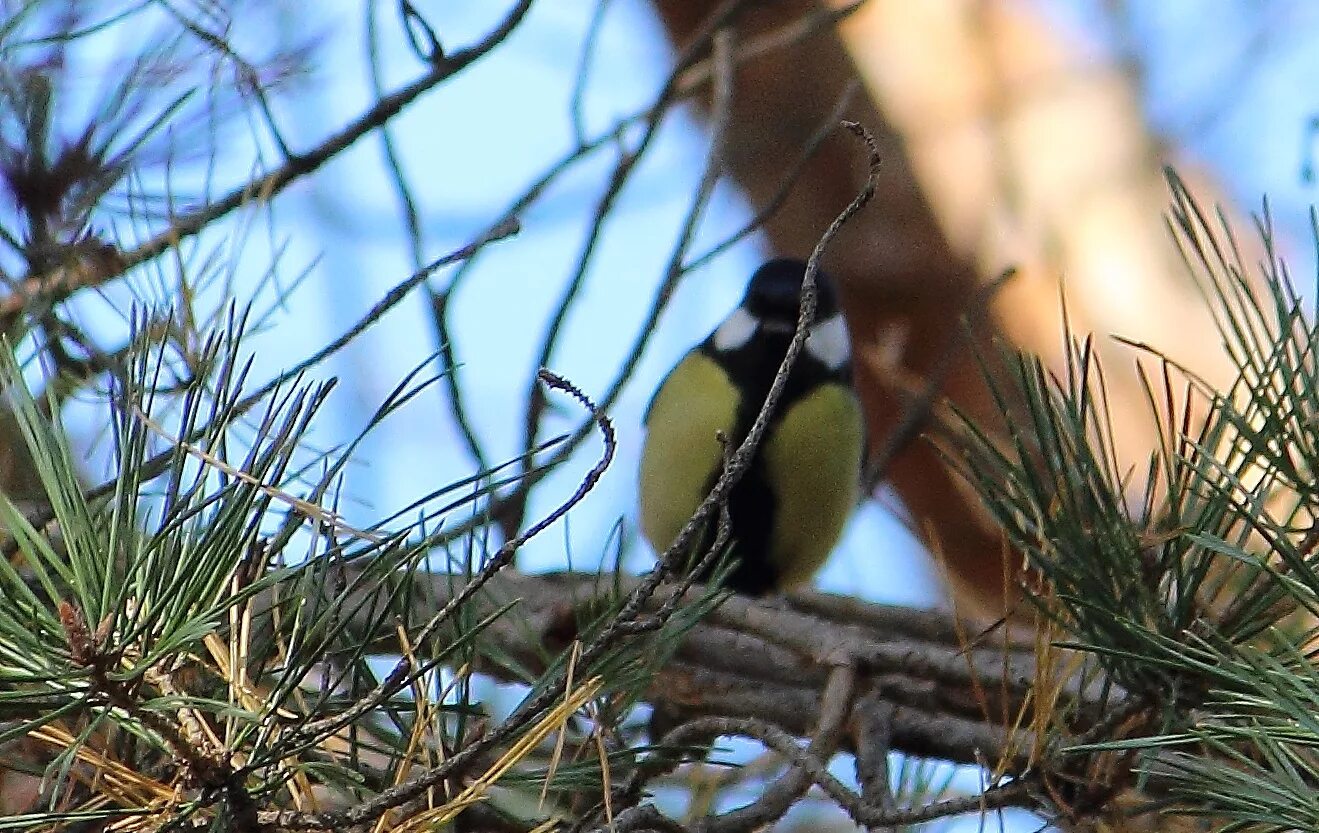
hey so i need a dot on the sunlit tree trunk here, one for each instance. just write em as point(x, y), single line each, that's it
point(1005, 144)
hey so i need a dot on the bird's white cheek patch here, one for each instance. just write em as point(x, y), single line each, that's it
point(828, 342)
point(736, 331)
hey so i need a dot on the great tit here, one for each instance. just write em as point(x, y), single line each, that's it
point(790, 506)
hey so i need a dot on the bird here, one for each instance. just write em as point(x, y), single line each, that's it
point(789, 509)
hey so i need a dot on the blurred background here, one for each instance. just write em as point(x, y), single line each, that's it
point(1036, 130)
point(1015, 134)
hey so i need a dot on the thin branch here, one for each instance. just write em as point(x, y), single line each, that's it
point(835, 708)
point(407, 203)
point(581, 77)
point(826, 127)
point(511, 513)
point(741, 458)
point(62, 282)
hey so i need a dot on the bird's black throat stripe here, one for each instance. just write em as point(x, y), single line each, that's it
point(751, 504)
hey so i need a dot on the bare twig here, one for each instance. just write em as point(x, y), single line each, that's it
point(818, 19)
point(513, 510)
point(53, 286)
point(393, 163)
point(740, 460)
point(645, 817)
point(902, 622)
point(827, 126)
point(581, 77)
point(676, 270)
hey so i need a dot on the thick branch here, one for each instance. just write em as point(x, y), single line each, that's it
point(750, 659)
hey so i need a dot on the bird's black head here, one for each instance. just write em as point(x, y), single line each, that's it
point(774, 293)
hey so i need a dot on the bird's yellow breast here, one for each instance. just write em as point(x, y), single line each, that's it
point(810, 461)
point(682, 453)
point(813, 463)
